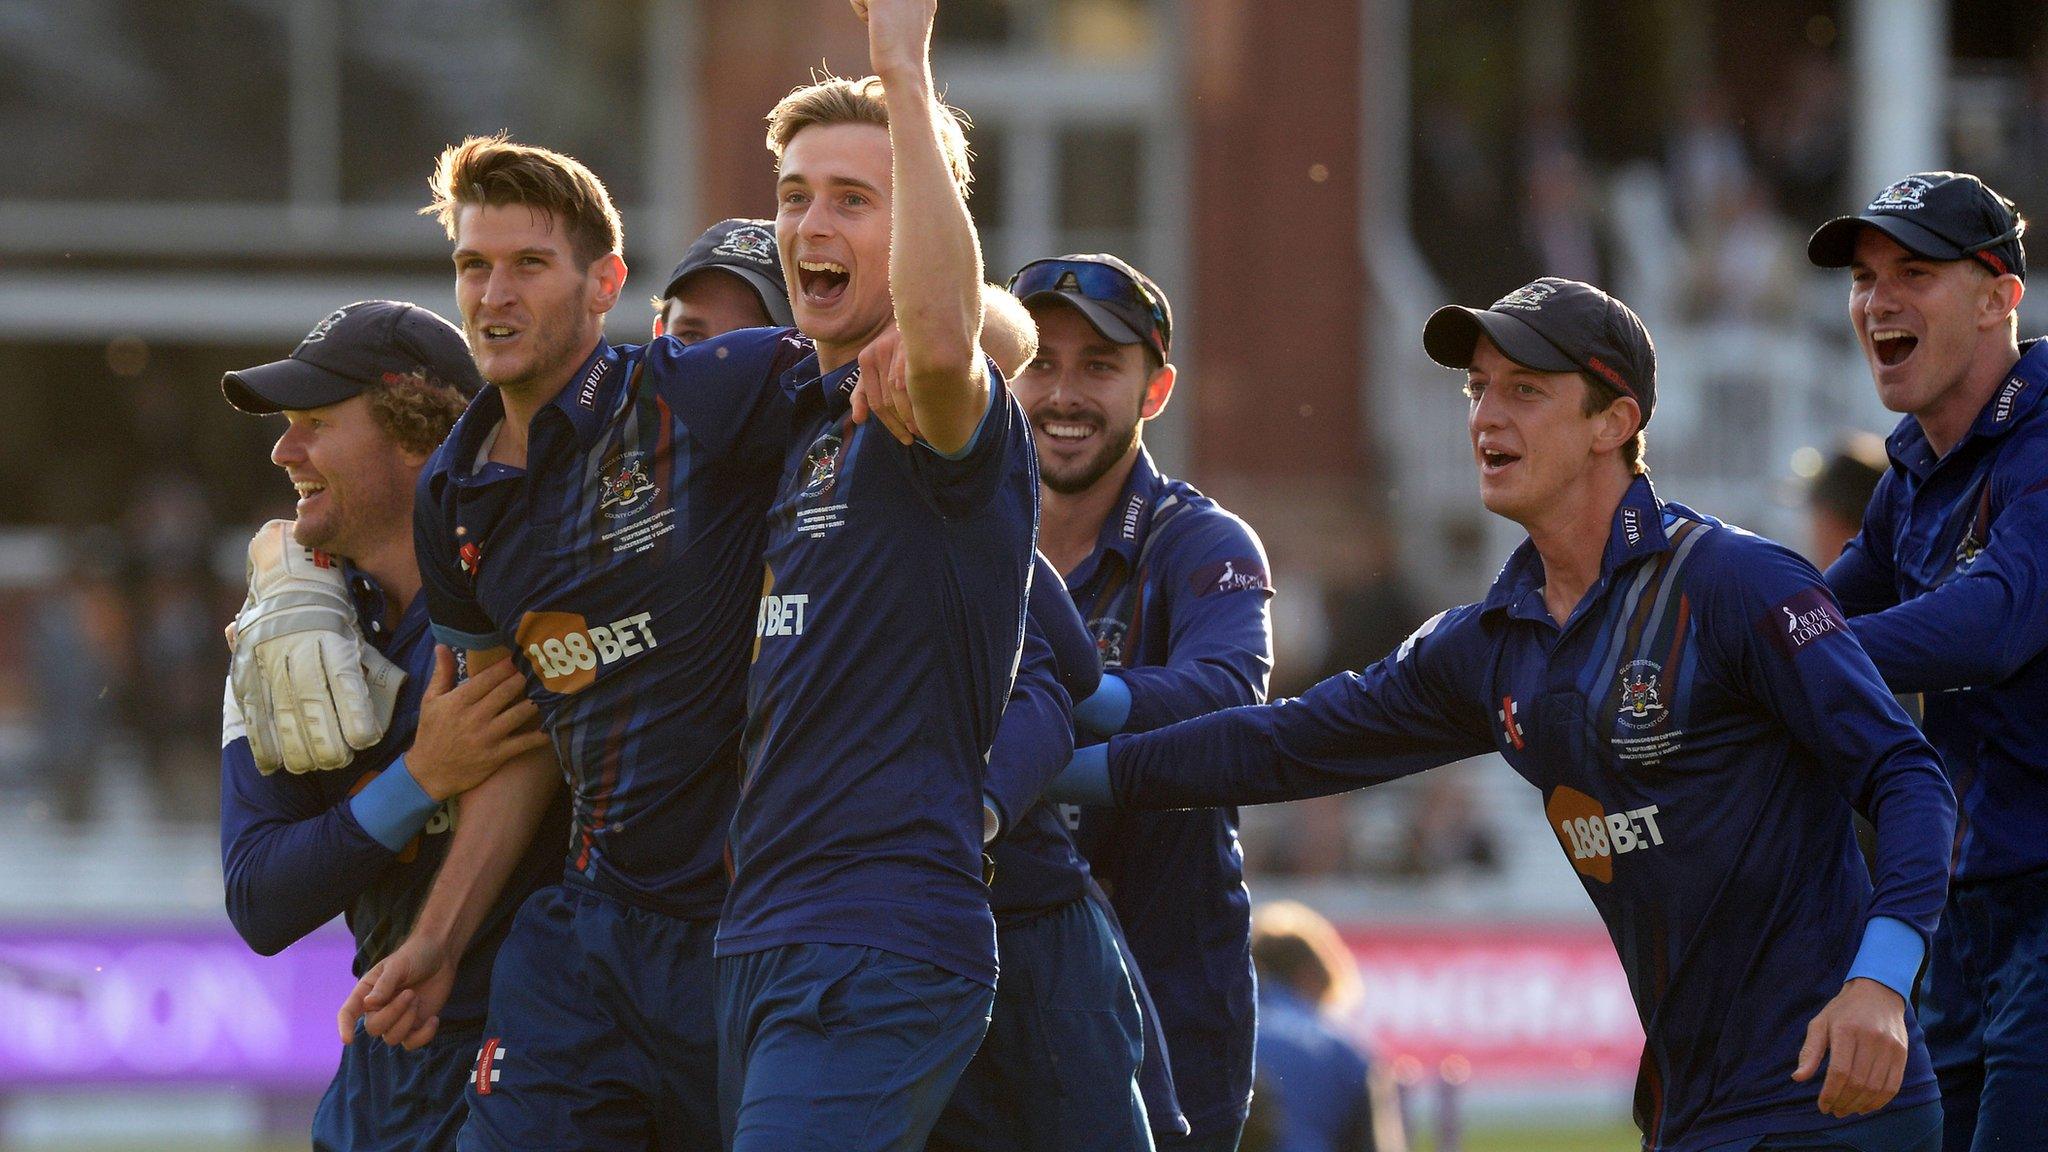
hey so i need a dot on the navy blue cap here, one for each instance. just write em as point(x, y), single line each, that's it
point(1120, 302)
point(745, 248)
point(363, 344)
point(1936, 215)
point(1554, 325)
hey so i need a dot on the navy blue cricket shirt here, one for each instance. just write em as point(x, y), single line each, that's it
point(621, 567)
point(294, 856)
point(889, 625)
point(1700, 729)
point(1947, 589)
point(1176, 595)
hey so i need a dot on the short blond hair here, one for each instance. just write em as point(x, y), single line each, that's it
point(840, 100)
point(496, 171)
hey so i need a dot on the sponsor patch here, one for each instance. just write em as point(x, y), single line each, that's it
point(2001, 409)
point(1510, 714)
point(1809, 615)
point(1237, 574)
point(1592, 837)
point(586, 395)
point(484, 1076)
point(1632, 526)
point(565, 651)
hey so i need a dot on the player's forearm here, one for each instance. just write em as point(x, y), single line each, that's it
point(1189, 688)
point(1973, 632)
point(1914, 811)
point(1033, 743)
point(495, 821)
point(285, 877)
point(1008, 335)
point(934, 269)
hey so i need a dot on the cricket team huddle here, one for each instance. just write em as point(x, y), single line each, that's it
point(821, 726)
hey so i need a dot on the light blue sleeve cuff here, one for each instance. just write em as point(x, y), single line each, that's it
point(465, 641)
point(1105, 712)
point(393, 807)
point(1085, 779)
point(994, 394)
point(1891, 954)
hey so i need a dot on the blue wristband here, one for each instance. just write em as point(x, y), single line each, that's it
point(1106, 711)
point(393, 807)
point(1891, 954)
point(1085, 779)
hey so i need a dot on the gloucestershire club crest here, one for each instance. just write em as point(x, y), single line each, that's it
point(1529, 297)
point(1641, 704)
point(626, 487)
point(1109, 641)
point(751, 242)
point(1901, 197)
point(821, 464)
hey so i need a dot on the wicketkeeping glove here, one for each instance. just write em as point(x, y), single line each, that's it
point(311, 690)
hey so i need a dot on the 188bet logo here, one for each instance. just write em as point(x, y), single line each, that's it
point(566, 652)
point(1593, 837)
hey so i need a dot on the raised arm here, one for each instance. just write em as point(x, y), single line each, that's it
point(934, 256)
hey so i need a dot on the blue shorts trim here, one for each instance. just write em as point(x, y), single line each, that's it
point(1914, 1129)
point(841, 1047)
point(386, 1099)
point(600, 1033)
point(1059, 1068)
point(1984, 1009)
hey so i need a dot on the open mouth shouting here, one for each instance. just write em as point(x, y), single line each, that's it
point(1493, 460)
point(823, 282)
point(1892, 345)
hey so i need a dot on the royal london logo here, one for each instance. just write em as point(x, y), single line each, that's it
point(1641, 704)
point(626, 487)
point(1593, 837)
point(1904, 196)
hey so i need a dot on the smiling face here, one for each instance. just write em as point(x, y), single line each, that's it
point(1531, 436)
point(832, 227)
point(1087, 398)
point(1921, 322)
point(355, 482)
point(530, 311)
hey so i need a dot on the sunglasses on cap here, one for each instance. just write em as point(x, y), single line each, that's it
point(1128, 299)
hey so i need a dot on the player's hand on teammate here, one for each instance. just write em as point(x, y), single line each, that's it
point(1862, 1032)
point(883, 390)
point(468, 731)
point(311, 691)
point(399, 1000)
point(899, 33)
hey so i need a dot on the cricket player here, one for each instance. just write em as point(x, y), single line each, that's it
point(1058, 1070)
point(1700, 721)
point(367, 833)
point(731, 278)
point(1175, 591)
point(857, 953)
point(1945, 590)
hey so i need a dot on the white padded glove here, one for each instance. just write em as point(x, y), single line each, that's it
point(311, 691)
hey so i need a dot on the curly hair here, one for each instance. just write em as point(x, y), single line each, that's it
point(415, 410)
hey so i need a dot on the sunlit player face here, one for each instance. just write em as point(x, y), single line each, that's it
point(355, 483)
point(1086, 397)
point(832, 228)
point(1918, 320)
point(530, 311)
point(1530, 436)
point(710, 303)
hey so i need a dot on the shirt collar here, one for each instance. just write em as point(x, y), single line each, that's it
point(1636, 531)
point(1130, 518)
point(825, 395)
point(2016, 398)
point(368, 597)
point(592, 394)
